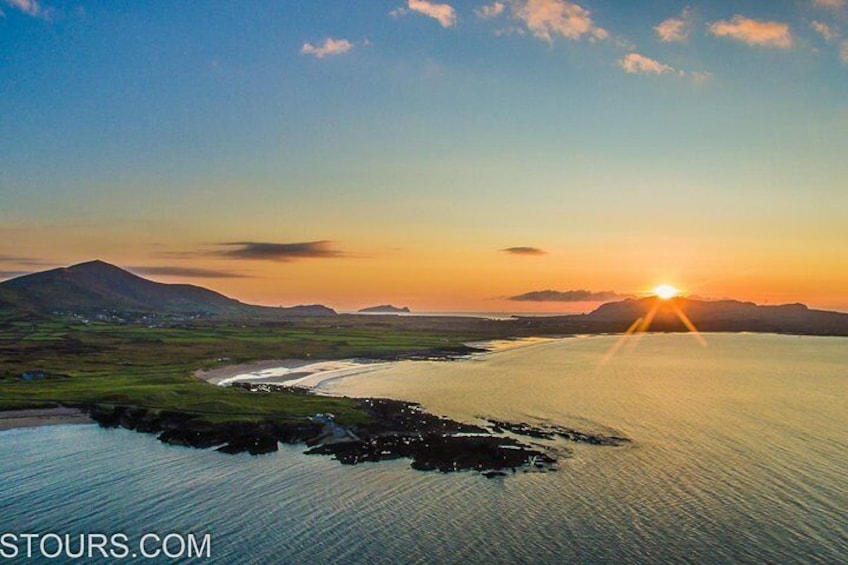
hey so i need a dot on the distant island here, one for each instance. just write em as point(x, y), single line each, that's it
point(385, 309)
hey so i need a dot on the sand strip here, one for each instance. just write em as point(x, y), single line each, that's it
point(216, 376)
point(31, 418)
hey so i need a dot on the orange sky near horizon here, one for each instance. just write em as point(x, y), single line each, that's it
point(478, 276)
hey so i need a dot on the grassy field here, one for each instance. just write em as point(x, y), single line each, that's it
point(140, 366)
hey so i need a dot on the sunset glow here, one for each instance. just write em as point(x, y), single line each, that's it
point(666, 291)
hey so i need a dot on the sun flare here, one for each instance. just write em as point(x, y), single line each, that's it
point(666, 291)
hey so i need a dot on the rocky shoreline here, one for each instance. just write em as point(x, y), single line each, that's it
point(396, 430)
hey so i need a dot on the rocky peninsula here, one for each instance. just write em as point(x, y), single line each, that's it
point(396, 430)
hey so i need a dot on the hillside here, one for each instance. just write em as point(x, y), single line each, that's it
point(95, 287)
point(385, 309)
point(706, 315)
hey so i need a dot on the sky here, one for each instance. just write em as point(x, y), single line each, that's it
point(442, 156)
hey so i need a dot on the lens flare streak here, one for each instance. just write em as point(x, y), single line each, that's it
point(643, 324)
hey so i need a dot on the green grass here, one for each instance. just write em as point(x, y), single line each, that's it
point(138, 366)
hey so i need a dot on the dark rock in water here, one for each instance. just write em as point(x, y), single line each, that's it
point(297, 432)
point(399, 416)
point(456, 453)
point(255, 444)
point(403, 430)
point(191, 431)
point(396, 430)
point(548, 431)
point(436, 452)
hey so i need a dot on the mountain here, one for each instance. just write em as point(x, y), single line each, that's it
point(385, 309)
point(719, 315)
point(96, 287)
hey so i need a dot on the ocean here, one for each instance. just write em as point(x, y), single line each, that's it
point(739, 455)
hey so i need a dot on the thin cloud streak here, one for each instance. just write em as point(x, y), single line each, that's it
point(521, 250)
point(188, 272)
point(258, 250)
point(27, 261)
point(831, 4)
point(5, 275)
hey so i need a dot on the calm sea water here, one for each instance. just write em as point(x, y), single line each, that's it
point(740, 455)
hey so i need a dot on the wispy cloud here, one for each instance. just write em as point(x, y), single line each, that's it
point(442, 13)
point(488, 11)
point(524, 251)
point(827, 32)
point(675, 29)
point(280, 251)
point(548, 18)
point(831, 4)
point(754, 32)
point(12, 274)
point(635, 63)
point(843, 52)
point(700, 77)
point(188, 272)
point(569, 296)
point(330, 47)
point(27, 261)
point(29, 7)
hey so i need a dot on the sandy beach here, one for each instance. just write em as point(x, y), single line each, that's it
point(293, 372)
point(314, 373)
point(227, 373)
point(42, 417)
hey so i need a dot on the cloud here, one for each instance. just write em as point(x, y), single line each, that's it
point(675, 29)
point(442, 13)
point(754, 32)
point(28, 7)
point(843, 52)
point(330, 47)
point(547, 18)
point(569, 296)
point(635, 63)
point(280, 251)
point(13, 274)
point(827, 32)
point(831, 4)
point(488, 11)
point(700, 77)
point(524, 251)
point(189, 272)
point(27, 261)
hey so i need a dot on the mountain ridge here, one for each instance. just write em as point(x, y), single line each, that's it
point(705, 315)
point(97, 286)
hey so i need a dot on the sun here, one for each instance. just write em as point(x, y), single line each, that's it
point(666, 291)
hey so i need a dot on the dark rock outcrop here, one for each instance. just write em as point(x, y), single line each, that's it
point(396, 430)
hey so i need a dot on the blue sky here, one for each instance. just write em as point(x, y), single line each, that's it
point(415, 134)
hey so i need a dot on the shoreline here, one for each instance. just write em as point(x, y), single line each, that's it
point(37, 417)
point(313, 374)
point(223, 375)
